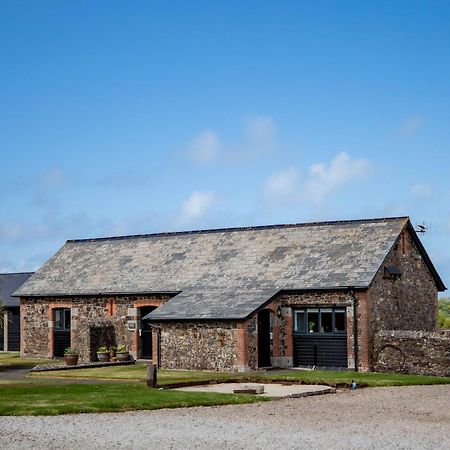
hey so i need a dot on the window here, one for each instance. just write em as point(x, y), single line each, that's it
point(62, 319)
point(300, 321)
point(319, 320)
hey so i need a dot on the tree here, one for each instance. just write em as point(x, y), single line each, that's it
point(444, 313)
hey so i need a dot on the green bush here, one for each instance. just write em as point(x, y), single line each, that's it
point(71, 351)
point(444, 313)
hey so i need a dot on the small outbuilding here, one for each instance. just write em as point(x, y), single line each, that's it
point(310, 294)
point(10, 334)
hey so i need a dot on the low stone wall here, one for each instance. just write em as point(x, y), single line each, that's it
point(413, 352)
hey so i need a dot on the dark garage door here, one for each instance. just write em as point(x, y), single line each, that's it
point(320, 337)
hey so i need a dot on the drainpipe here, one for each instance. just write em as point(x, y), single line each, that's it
point(355, 327)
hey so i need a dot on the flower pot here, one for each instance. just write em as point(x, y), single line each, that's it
point(71, 359)
point(123, 356)
point(103, 357)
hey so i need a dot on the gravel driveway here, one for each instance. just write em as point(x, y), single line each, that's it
point(400, 418)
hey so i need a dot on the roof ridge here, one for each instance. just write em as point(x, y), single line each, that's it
point(232, 229)
point(15, 273)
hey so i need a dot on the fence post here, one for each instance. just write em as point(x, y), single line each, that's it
point(152, 375)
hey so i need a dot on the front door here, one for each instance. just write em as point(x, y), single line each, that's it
point(61, 331)
point(146, 333)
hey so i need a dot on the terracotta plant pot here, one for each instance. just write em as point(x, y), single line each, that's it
point(71, 359)
point(103, 357)
point(123, 356)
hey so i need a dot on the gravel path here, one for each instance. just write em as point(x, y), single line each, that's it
point(381, 418)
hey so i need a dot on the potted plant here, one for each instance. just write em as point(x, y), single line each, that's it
point(122, 353)
point(311, 326)
point(71, 356)
point(103, 354)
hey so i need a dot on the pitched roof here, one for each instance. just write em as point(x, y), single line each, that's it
point(193, 304)
point(9, 283)
point(228, 262)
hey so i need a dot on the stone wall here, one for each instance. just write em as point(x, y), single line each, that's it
point(252, 343)
point(200, 345)
point(413, 352)
point(117, 313)
point(410, 302)
point(407, 303)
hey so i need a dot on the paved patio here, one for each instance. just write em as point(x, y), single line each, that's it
point(273, 390)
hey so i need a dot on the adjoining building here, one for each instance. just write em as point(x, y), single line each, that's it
point(312, 294)
point(10, 334)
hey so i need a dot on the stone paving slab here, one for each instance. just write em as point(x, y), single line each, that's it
point(270, 389)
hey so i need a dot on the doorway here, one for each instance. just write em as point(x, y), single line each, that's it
point(145, 333)
point(264, 338)
point(61, 331)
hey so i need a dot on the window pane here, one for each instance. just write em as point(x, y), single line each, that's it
point(300, 321)
point(326, 324)
point(67, 319)
point(58, 319)
point(313, 322)
point(339, 321)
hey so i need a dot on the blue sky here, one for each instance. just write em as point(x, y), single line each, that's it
point(135, 117)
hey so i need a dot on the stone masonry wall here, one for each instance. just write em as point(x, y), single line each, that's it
point(201, 345)
point(119, 312)
point(413, 352)
point(409, 303)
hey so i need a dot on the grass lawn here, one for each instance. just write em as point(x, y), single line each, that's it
point(137, 373)
point(14, 359)
point(30, 399)
point(334, 378)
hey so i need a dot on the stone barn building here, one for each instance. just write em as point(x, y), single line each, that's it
point(10, 334)
point(311, 294)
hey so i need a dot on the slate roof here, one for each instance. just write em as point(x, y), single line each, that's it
point(239, 265)
point(193, 304)
point(9, 283)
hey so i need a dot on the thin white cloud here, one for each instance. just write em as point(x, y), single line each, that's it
point(325, 179)
point(195, 207)
point(204, 148)
point(51, 179)
point(260, 131)
point(421, 191)
point(321, 181)
point(282, 186)
point(258, 138)
point(410, 126)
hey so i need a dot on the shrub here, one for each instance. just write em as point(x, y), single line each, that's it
point(103, 349)
point(71, 351)
point(121, 349)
